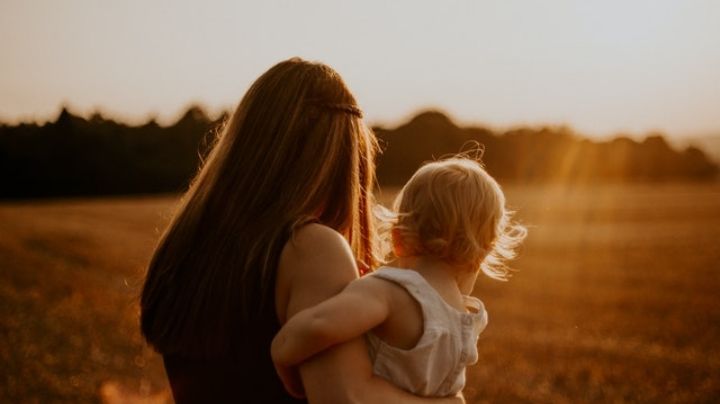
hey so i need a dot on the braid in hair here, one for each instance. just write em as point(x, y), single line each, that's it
point(346, 108)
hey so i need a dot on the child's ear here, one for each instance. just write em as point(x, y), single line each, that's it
point(398, 247)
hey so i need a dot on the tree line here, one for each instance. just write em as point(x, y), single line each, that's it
point(540, 154)
point(74, 156)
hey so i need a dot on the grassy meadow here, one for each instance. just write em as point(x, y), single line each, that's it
point(615, 299)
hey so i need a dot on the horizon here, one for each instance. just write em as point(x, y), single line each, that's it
point(214, 114)
point(602, 69)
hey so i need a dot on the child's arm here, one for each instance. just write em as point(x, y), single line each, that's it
point(360, 307)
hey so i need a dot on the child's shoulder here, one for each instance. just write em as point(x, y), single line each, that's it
point(372, 282)
point(386, 281)
point(397, 276)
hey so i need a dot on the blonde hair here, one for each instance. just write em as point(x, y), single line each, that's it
point(295, 150)
point(455, 211)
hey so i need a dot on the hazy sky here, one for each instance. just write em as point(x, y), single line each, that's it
point(600, 66)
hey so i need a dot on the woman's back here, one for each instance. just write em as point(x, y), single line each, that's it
point(245, 372)
point(247, 376)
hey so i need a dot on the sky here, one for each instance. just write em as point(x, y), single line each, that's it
point(602, 67)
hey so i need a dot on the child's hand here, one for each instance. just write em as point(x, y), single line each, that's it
point(290, 379)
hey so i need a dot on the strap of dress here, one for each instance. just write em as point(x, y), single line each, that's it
point(414, 283)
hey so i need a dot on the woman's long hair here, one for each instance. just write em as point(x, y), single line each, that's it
point(295, 150)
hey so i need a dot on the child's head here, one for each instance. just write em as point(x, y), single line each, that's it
point(453, 210)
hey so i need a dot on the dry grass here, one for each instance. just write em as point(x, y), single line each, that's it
point(70, 274)
point(615, 301)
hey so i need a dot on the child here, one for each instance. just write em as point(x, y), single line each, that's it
point(421, 325)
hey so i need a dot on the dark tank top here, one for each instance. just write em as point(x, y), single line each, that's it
point(247, 376)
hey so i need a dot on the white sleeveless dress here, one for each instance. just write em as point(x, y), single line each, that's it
point(435, 367)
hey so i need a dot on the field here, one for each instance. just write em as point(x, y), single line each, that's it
point(615, 299)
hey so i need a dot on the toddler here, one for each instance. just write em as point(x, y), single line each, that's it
point(449, 222)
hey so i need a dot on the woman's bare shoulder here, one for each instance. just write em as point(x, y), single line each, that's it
point(314, 245)
point(315, 264)
point(313, 239)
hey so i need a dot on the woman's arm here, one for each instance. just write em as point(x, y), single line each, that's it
point(315, 266)
point(359, 308)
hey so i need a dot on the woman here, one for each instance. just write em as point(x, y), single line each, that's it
point(274, 222)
